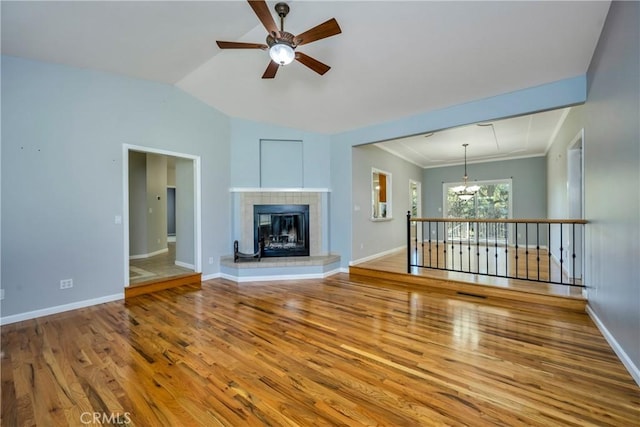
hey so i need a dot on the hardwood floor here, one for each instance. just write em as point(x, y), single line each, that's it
point(337, 351)
point(397, 263)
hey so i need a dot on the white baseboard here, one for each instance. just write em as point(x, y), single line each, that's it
point(378, 255)
point(59, 309)
point(622, 355)
point(279, 277)
point(211, 276)
point(185, 265)
point(149, 255)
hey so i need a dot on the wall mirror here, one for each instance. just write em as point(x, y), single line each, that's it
point(380, 194)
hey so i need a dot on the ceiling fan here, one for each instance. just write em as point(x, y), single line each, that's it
point(281, 44)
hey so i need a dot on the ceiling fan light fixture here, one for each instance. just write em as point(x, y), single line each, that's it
point(282, 53)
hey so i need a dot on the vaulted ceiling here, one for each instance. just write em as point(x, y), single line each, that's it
point(393, 59)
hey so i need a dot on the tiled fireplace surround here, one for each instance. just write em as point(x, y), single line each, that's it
point(245, 200)
point(320, 263)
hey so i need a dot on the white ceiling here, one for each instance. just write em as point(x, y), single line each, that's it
point(524, 136)
point(393, 59)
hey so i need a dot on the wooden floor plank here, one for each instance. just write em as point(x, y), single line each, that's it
point(337, 351)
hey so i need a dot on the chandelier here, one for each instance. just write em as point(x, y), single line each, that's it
point(465, 192)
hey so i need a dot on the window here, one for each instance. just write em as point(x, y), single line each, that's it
point(492, 201)
point(380, 194)
point(414, 198)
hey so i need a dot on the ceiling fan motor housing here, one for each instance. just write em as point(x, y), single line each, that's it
point(283, 37)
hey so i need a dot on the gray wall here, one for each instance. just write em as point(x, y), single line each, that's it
point(63, 131)
point(557, 197)
point(137, 203)
point(156, 203)
point(612, 179)
point(185, 213)
point(529, 188)
point(373, 237)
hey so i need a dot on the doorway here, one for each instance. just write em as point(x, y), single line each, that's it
point(149, 252)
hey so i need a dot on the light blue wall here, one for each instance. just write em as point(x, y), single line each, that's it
point(245, 153)
point(63, 131)
point(553, 95)
point(612, 178)
point(528, 176)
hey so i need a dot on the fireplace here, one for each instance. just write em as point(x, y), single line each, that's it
point(283, 230)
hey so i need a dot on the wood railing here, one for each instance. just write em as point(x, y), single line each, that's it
point(540, 250)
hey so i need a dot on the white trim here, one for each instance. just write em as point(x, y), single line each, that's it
point(378, 255)
point(278, 190)
point(211, 276)
point(243, 279)
point(149, 255)
point(185, 265)
point(622, 355)
point(60, 309)
point(125, 212)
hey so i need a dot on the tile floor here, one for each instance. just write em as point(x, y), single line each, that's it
point(156, 267)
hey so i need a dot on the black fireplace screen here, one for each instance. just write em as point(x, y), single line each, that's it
point(283, 230)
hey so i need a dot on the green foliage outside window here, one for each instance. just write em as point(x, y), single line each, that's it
point(491, 201)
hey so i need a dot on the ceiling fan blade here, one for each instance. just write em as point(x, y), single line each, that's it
point(264, 15)
point(240, 45)
point(314, 64)
point(271, 70)
point(322, 31)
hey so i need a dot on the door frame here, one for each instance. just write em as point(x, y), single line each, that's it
point(197, 208)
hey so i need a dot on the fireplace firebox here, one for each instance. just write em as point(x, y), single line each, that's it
point(283, 229)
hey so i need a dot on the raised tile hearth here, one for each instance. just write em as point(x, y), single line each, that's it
point(282, 268)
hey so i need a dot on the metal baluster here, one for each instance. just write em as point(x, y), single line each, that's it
point(516, 241)
point(477, 247)
point(495, 245)
point(549, 251)
point(469, 244)
point(526, 248)
point(538, 247)
point(445, 231)
point(429, 243)
point(460, 249)
point(437, 245)
point(506, 249)
point(486, 243)
point(561, 253)
point(573, 238)
point(409, 242)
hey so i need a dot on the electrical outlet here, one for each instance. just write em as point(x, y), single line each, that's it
point(66, 283)
point(210, 260)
